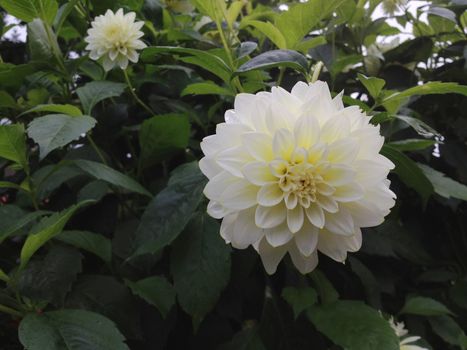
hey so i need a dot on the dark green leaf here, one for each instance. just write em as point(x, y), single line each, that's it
point(89, 241)
point(447, 329)
point(300, 298)
point(70, 330)
point(20, 223)
point(27, 10)
point(13, 144)
point(443, 185)
point(50, 279)
point(276, 58)
point(106, 173)
point(161, 136)
point(206, 88)
point(169, 212)
point(424, 306)
point(409, 172)
point(432, 87)
point(62, 109)
point(354, 326)
point(412, 144)
point(372, 84)
point(156, 291)
point(47, 229)
point(96, 91)
point(200, 264)
point(57, 130)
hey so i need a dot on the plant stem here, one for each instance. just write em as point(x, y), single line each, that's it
point(132, 91)
point(96, 149)
point(10, 311)
point(281, 76)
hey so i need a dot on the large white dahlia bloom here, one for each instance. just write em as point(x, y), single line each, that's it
point(115, 37)
point(298, 173)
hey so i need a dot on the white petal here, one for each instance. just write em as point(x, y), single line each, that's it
point(283, 144)
point(328, 204)
point(217, 185)
point(227, 225)
point(335, 129)
point(233, 159)
point(339, 174)
point(291, 200)
point(269, 217)
point(340, 223)
point(410, 340)
point(304, 264)
point(258, 173)
point(306, 132)
point(279, 235)
point(259, 145)
point(270, 195)
point(349, 192)
point(239, 195)
point(316, 215)
point(343, 151)
point(295, 219)
point(209, 167)
point(270, 256)
point(216, 210)
point(307, 239)
point(245, 231)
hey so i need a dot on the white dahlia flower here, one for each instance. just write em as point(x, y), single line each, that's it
point(298, 173)
point(115, 37)
point(399, 329)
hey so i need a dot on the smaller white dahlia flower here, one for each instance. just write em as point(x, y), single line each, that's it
point(296, 173)
point(399, 329)
point(115, 38)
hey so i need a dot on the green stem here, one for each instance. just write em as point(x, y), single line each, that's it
point(96, 149)
point(132, 91)
point(281, 76)
point(10, 311)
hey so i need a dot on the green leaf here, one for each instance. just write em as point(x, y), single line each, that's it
point(372, 84)
point(276, 58)
point(28, 10)
point(47, 229)
point(57, 130)
point(203, 59)
point(206, 88)
point(62, 14)
point(354, 326)
point(432, 87)
point(19, 224)
point(447, 329)
point(50, 279)
point(168, 213)
point(409, 172)
point(422, 128)
point(156, 291)
point(300, 298)
point(13, 144)
point(326, 290)
point(412, 144)
point(42, 42)
point(89, 241)
point(162, 136)
point(305, 45)
point(200, 265)
point(7, 101)
point(246, 339)
point(443, 185)
point(301, 18)
point(61, 109)
point(70, 330)
point(269, 30)
point(103, 172)
point(96, 91)
point(424, 306)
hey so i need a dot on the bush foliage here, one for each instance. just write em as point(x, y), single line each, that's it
point(105, 240)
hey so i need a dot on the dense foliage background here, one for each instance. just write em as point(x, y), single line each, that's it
point(103, 230)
